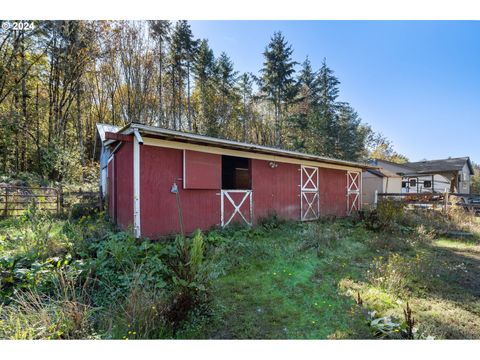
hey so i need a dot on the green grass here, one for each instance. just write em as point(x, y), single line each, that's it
point(277, 281)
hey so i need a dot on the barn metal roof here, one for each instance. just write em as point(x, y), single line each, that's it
point(103, 128)
point(207, 140)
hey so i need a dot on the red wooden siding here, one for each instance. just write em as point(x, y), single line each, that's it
point(124, 185)
point(159, 168)
point(276, 189)
point(333, 192)
point(202, 170)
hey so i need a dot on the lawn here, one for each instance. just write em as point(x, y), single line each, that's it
point(280, 280)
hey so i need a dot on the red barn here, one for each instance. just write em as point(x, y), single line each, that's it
point(161, 181)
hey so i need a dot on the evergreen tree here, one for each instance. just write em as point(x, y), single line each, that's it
point(306, 101)
point(277, 79)
point(324, 123)
point(225, 78)
point(204, 72)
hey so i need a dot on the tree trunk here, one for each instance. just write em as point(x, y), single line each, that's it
point(80, 130)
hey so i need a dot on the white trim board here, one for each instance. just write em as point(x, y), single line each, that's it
point(250, 155)
point(136, 188)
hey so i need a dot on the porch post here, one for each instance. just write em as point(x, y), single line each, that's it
point(136, 188)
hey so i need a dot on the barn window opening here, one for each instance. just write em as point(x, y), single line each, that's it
point(236, 174)
point(427, 184)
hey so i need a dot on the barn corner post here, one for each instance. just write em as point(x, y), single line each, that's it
point(137, 141)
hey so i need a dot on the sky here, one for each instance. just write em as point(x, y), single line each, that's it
point(416, 82)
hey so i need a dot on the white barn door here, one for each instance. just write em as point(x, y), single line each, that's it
point(309, 199)
point(354, 179)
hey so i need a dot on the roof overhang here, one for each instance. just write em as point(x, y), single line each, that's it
point(156, 132)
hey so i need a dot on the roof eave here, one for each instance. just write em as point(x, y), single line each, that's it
point(237, 145)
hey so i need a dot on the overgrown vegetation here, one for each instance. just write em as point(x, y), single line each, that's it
point(78, 279)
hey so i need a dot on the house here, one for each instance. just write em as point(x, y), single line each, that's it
point(452, 174)
point(379, 181)
point(164, 182)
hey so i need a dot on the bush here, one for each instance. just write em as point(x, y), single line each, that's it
point(389, 215)
point(397, 273)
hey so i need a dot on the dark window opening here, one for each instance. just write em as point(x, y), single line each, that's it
point(413, 182)
point(236, 174)
point(427, 184)
point(404, 184)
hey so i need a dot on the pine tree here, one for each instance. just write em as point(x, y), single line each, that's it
point(225, 78)
point(277, 79)
point(204, 71)
point(325, 123)
point(306, 102)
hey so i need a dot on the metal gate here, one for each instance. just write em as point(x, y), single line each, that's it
point(309, 199)
point(354, 185)
point(236, 205)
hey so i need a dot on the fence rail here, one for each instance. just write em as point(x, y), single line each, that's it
point(469, 202)
point(15, 200)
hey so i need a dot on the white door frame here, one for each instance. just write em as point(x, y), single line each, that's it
point(225, 195)
point(309, 185)
point(354, 187)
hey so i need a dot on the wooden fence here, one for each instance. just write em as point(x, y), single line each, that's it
point(469, 202)
point(15, 200)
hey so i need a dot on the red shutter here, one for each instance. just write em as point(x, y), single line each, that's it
point(201, 170)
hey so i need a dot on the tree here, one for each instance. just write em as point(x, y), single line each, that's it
point(325, 121)
point(204, 71)
point(245, 89)
point(277, 79)
point(160, 30)
point(226, 77)
point(475, 182)
point(381, 148)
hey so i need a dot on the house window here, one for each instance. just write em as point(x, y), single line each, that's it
point(404, 184)
point(236, 174)
point(413, 182)
point(427, 184)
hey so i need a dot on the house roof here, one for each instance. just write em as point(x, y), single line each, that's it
point(442, 165)
point(383, 173)
point(402, 165)
point(207, 140)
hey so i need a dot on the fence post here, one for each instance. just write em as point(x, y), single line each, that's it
point(60, 200)
point(446, 202)
point(375, 199)
point(5, 211)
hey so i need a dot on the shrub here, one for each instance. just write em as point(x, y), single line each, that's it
point(191, 276)
point(397, 273)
